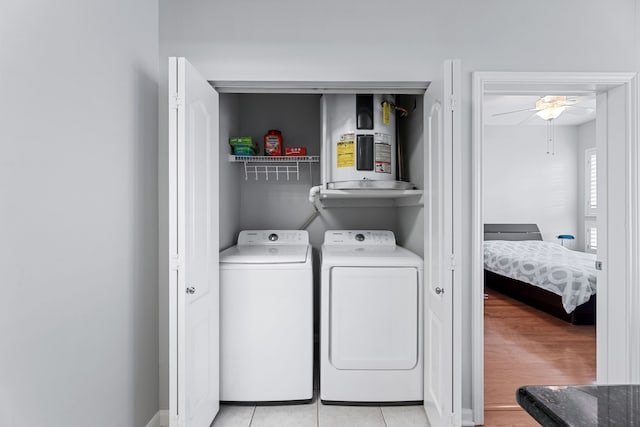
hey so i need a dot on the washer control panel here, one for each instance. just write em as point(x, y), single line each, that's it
point(273, 237)
point(359, 237)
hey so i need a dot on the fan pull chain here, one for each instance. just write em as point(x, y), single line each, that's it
point(548, 135)
point(551, 139)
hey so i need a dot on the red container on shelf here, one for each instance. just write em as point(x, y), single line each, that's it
point(273, 143)
point(295, 151)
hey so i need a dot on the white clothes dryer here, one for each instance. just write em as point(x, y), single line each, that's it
point(266, 318)
point(371, 316)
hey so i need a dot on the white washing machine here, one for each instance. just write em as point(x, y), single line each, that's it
point(370, 319)
point(266, 318)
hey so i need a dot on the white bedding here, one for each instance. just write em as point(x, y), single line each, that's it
point(550, 266)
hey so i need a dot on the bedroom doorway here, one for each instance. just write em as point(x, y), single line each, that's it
point(615, 132)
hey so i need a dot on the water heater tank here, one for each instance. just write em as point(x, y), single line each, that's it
point(360, 131)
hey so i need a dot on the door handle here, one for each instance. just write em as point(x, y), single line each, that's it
point(191, 290)
point(439, 290)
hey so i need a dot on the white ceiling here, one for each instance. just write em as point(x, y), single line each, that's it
point(584, 110)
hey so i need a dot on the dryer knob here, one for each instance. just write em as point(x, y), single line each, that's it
point(360, 237)
point(273, 237)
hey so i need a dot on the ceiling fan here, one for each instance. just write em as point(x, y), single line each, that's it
point(549, 107)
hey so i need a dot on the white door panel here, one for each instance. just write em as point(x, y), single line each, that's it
point(434, 390)
point(442, 397)
point(194, 295)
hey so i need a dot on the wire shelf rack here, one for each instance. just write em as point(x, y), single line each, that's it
point(273, 167)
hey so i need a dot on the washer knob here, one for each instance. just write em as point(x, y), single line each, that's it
point(273, 237)
point(360, 237)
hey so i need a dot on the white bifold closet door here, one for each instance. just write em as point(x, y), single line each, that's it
point(194, 248)
point(442, 358)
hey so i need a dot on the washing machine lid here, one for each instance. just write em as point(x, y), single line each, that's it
point(369, 256)
point(265, 254)
point(366, 248)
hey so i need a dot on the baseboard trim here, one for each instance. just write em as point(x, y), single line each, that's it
point(467, 417)
point(160, 419)
point(164, 418)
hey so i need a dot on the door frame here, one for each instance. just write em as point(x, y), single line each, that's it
point(168, 161)
point(629, 346)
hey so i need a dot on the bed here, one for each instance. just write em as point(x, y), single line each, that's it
point(544, 275)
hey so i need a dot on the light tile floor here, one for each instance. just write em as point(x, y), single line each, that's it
point(315, 414)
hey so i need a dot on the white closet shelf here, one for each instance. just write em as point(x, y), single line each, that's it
point(274, 159)
point(273, 167)
point(370, 197)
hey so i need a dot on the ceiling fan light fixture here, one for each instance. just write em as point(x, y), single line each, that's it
point(551, 106)
point(550, 113)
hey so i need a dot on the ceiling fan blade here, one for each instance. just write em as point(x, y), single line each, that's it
point(580, 108)
point(532, 115)
point(514, 111)
point(580, 112)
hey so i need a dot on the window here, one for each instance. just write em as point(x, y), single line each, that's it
point(591, 199)
point(591, 236)
point(592, 182)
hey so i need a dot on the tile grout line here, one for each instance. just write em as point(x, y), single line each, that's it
point(252, 414)
point(383, 418)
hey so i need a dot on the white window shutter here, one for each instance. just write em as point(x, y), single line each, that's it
point(592, 181)
point(591, 232)
point(593, 238)
point(591, 199)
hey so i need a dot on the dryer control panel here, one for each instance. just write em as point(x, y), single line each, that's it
point(359, 238)
point(273, 237)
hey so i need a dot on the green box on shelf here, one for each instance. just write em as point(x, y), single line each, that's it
point(240, 140)
point(243, 150)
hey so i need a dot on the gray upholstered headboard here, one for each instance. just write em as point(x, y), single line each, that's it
point(512, 232)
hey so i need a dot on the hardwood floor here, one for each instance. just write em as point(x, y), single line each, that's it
point(524, 346)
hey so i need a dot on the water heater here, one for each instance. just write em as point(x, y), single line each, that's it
point(360, 136)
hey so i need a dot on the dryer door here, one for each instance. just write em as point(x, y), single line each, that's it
point(373, 318)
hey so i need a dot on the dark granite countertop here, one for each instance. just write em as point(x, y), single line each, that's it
point(582, 405)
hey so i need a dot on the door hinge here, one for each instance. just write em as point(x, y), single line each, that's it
point(175, 264)
point(599, 265)
point(455, 420)
point(452, 262)
point(452, 102)
point(176, 102)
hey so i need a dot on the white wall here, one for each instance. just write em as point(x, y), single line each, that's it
point(586, 139)
point(337, 40)
point(78, 213)
point(524, 184)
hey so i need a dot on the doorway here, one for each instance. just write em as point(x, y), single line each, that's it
point(198, 110)
point(531, 191)
point(616, 140)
